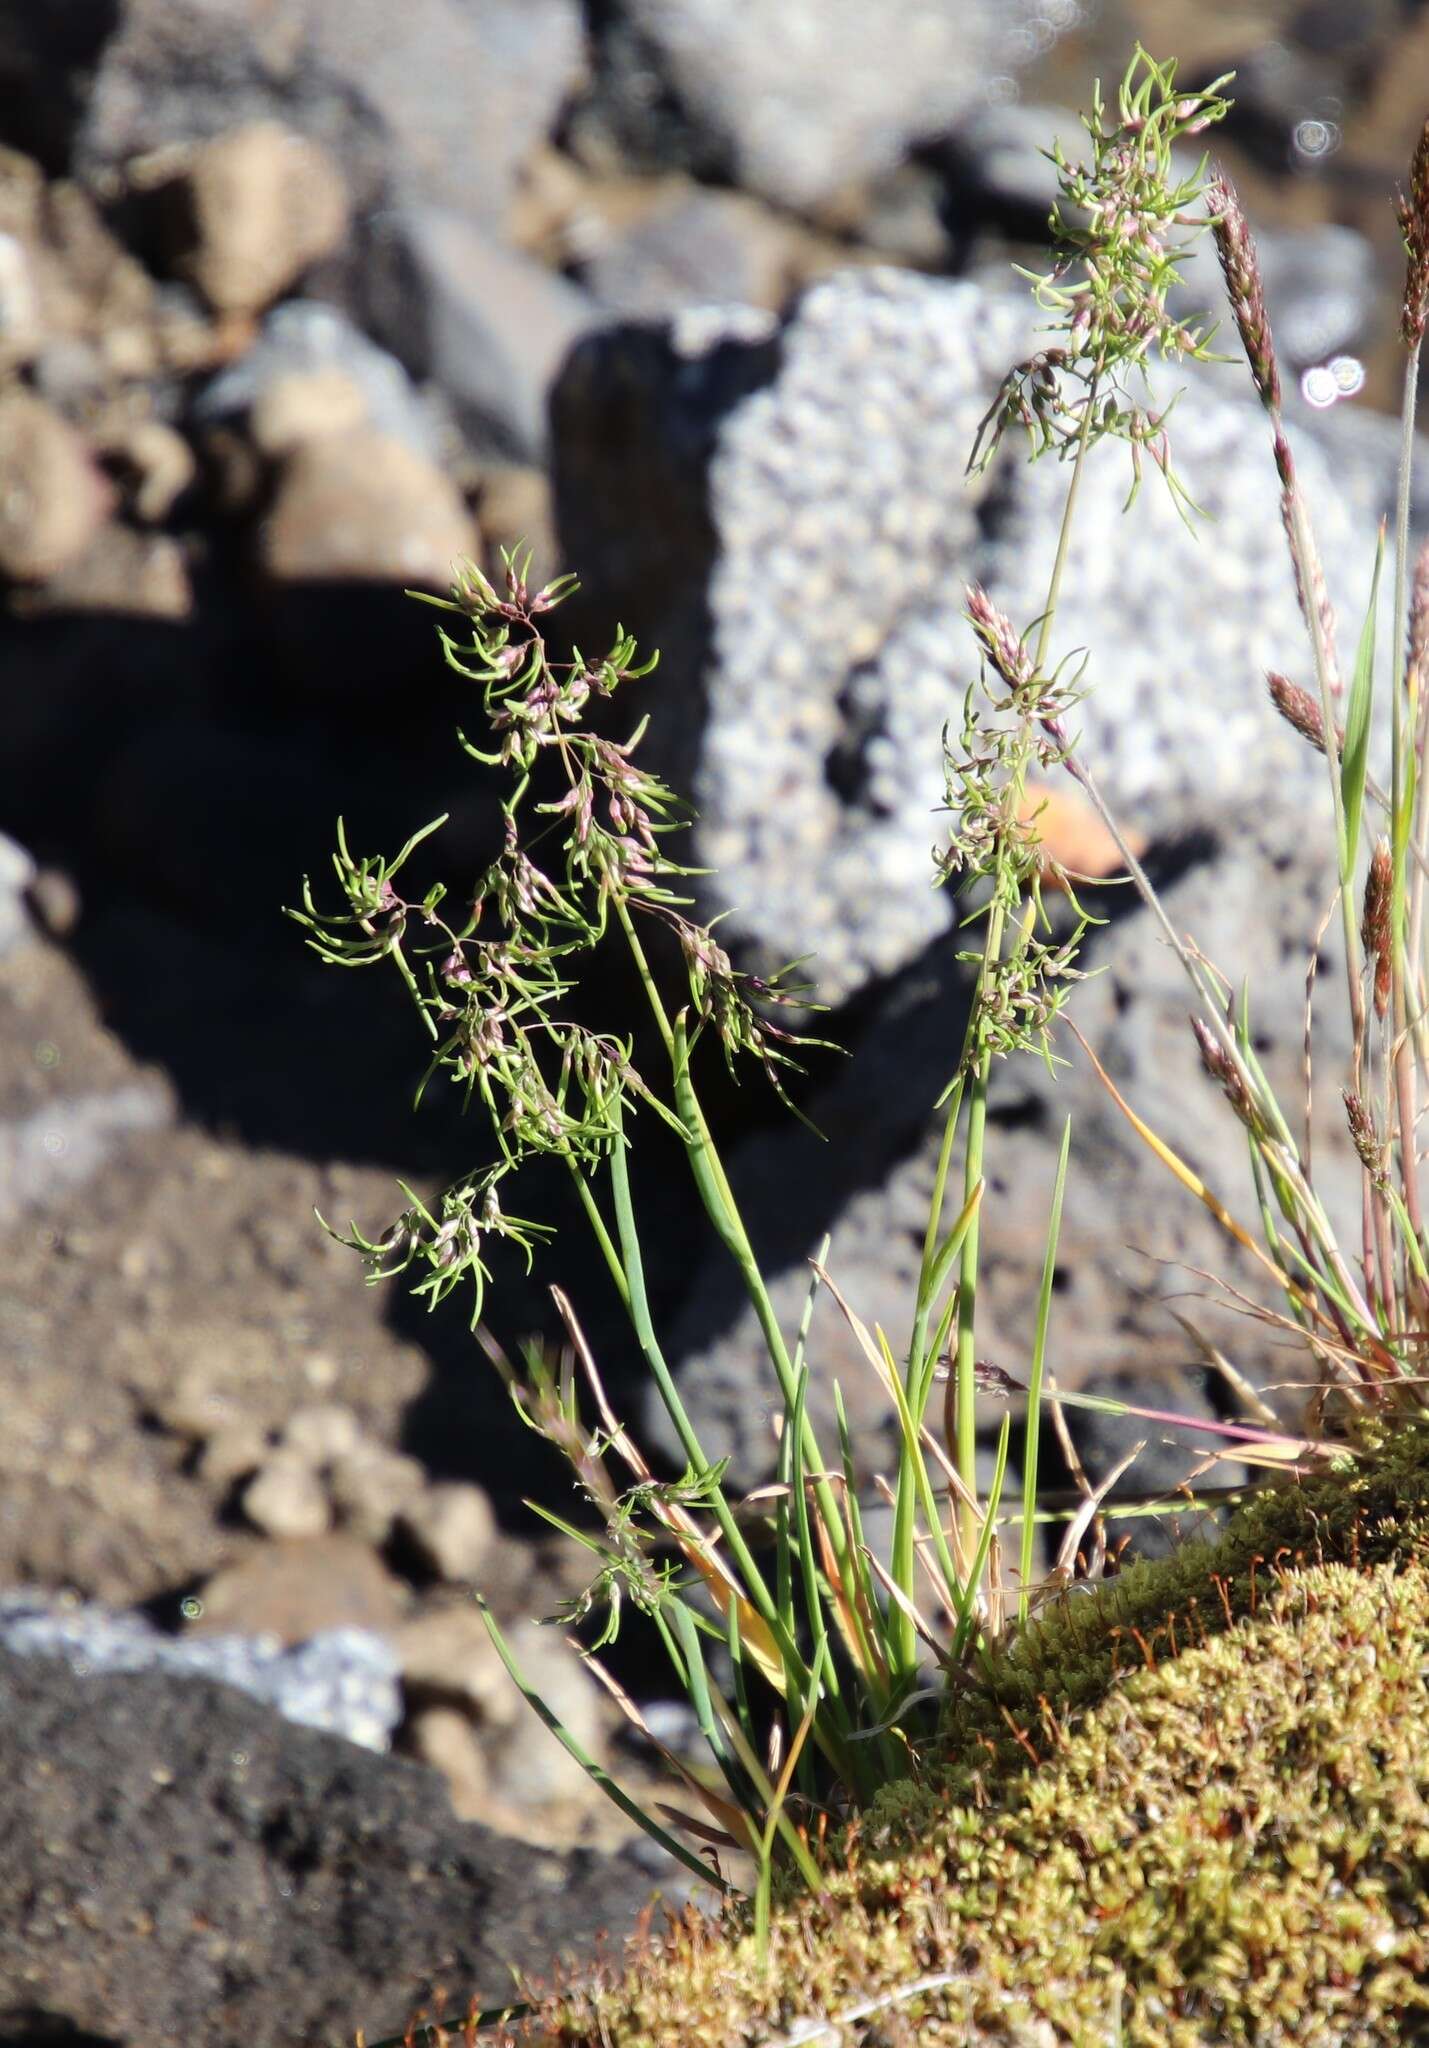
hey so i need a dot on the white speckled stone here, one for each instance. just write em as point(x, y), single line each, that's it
point(345, 1680)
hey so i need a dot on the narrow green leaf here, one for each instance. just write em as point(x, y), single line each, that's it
point(588, 1764)
point(1354, 763)
point(953, 1243)
point(984, 1543)
point(1035, 1376)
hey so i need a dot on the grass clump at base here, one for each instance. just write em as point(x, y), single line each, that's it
point(1224, 1835)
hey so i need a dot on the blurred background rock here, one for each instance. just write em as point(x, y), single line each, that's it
point(298, 302)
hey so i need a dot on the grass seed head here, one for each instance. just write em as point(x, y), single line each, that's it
point(1413, 211)
point(1419, 620)
point(1375, 928)
point(1241, 265)
point(1298, 708)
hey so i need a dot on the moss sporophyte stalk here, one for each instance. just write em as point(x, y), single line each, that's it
point(962, 1802)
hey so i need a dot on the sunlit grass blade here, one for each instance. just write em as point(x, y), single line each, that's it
point(1035, 1375)
point(595, 1772)
point(1354, 762)
point(968, 1621)
point(776, 1816)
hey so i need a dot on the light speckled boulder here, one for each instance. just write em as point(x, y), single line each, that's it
point(804, 552)
point(800, 548)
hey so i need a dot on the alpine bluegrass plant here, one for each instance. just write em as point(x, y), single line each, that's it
point(837, 1643)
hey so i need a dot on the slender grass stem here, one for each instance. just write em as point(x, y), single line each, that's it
point(977, 1086)
point(1036, 1375)
point(1407, 797)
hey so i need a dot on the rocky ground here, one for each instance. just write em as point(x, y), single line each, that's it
point(710, 315)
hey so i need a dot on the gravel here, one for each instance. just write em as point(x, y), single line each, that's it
point(343, 1680)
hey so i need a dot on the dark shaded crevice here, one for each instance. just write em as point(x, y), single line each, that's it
point(38, 43)
point(863, 720)
point(33, 2027)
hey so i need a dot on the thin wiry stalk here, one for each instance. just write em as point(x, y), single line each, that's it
point(1406, 963)
point(1035, 1377)
point(975, 1142)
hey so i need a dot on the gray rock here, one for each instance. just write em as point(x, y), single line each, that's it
point(182, 1866)
point(1252, 892)
point(446, 110)
point(258, 207)
point(21, 323)
point(362, 507)
point(488, 326)
point(699, 248)
point(285, 1498)
point(800, 550)
point(451, 1526)
point(1303, 73)
point(806, 544)
point(66, 1141)
point(54, 499)
point(122, 574)
point(800, 101)
point(1002, 154)
point(1320, 287)
point(344, 1680)
point(308, 339)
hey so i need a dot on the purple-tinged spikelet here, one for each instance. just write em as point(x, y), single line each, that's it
point(1000, 640)
point(1413, 211)
point(1363, 1135)
point(1241, 266)
point(1298, 708)
point(1375, 928)
point(1223, 1070)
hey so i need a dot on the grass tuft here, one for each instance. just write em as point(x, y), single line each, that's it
point(1186, 1807)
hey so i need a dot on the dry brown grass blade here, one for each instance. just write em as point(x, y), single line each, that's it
point(1338, 1356)
point(860, 1632)
point(906, 1606)
point(834, 2033)
point(1077, 1527)
point(734, 1824)
point(716, 1837)
point(615, 1430)
point(1196, 1186)
point(1234, 1378)
point(873, 1354)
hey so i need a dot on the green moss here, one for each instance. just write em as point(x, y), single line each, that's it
point(1190, 1808)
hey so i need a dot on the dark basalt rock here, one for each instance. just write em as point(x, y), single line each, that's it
point(178, 1865)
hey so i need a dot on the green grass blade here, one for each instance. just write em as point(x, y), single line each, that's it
point(697, 1691)
point(1035, 1376)
point(741, 1688)
point(639, 1310)
point(984, 1542)
point(594, 1771)
point(1354, 763)
point(952, 1244)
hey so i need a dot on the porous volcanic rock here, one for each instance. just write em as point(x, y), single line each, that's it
point(796, 532)
point(180, 1868)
